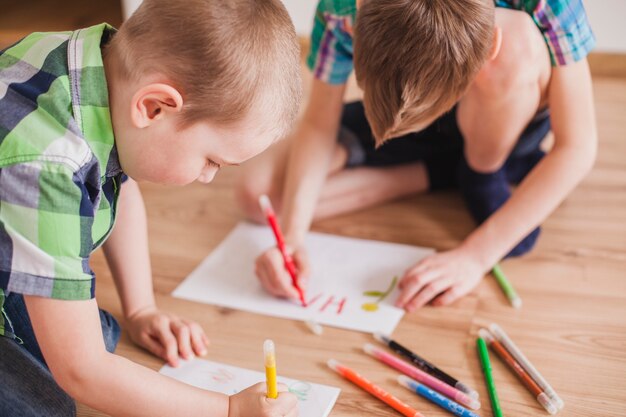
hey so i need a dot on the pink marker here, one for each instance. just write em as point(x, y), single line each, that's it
point(421, 376)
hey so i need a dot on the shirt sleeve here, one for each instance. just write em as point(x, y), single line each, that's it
point(330, 55)
point(563, 24)
point(46, 217)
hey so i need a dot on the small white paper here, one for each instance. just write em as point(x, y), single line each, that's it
point(314, 400)
point(342, 270)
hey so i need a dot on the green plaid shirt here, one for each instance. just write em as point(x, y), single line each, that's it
point(59, 170)
point(563, 24)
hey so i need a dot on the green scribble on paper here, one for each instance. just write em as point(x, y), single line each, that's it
point(373, 306)
point(300, 389)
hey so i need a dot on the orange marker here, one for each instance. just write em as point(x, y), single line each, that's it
point(376, 391)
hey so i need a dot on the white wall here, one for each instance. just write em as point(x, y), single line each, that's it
point(606, 16)
point(302, 12)
point(129, 6)
point(607, 21)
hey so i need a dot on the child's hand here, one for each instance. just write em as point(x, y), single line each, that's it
point(270, 269)
point(441, 279)
point(252, 402)
point(167, 335)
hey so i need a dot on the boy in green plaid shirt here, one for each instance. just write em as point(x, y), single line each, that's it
point(78, 112)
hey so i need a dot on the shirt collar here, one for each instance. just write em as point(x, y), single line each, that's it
point(90, 93)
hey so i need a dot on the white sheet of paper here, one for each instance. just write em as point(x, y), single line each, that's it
point(315, 400)
point(342, 270)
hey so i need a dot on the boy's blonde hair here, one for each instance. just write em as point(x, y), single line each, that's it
point(224, 56)
point(415, 58)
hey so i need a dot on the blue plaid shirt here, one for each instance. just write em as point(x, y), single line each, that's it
point(563, 24)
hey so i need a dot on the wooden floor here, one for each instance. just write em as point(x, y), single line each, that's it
point(19, 18)
point(572, 325)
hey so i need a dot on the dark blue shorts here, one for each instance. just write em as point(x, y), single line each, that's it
point(439, 146)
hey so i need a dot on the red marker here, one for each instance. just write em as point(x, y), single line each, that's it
point(290, 266)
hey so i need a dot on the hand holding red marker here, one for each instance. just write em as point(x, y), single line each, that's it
point(290, 266)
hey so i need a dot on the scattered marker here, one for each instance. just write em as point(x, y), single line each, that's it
point(315, 327)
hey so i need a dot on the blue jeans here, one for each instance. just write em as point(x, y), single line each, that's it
point(28, 388)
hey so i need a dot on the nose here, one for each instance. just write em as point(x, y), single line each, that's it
point(207, 175)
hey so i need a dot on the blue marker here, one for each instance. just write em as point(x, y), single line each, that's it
point(443, 402)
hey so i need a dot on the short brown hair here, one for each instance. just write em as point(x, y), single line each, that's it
point(225, 56)
point(415, 58)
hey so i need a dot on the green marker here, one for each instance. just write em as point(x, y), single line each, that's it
point(486, 366)
point(506, 287)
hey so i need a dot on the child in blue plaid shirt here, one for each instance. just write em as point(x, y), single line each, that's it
point(455, 93)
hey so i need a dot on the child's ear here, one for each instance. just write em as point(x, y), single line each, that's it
point(497, 42)
point(153, 102)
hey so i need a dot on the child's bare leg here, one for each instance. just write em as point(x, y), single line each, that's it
point(264, 174)
point(345, 190)
point(357, 188)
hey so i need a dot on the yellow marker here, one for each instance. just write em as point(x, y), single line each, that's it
point(270, 368)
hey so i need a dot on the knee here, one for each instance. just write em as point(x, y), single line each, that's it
point(247, 192)
point(486, 162)
point(525, 245)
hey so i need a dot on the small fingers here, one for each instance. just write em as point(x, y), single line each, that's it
point(274, 277)
point(450, 296)
point(302, 263)
point(428, 293)
point(284, 404)
point(282, 280)
point(413, 285)
point(183, 337)
point(152, 344)
point(167, 340)
point(287, 287)
point(416, 269)
point(199, 340)
point(288, 403)
point(273, 281)
point(262, 271)
point(293, 413)
point(259, 271)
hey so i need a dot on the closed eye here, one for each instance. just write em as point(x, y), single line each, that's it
point(212, 163)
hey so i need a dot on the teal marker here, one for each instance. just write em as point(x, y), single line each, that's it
point(506, 286)
point(486, 366)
